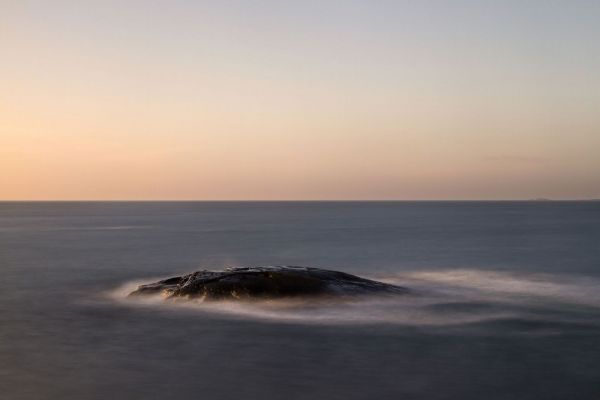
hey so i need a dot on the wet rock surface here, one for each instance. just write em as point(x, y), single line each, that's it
point(266, 283)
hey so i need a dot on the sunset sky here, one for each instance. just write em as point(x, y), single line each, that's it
point(184, 100)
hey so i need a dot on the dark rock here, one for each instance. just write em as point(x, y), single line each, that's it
point(266, 283)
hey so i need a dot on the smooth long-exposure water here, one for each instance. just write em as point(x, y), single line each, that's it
point(506, 301)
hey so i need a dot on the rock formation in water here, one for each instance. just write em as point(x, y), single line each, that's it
point(266, 283)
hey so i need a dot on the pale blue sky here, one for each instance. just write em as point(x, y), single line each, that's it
point(300, 100)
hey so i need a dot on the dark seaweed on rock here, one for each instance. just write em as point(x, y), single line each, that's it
point(266, 283)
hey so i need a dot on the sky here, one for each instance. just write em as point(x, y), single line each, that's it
point(299, 100)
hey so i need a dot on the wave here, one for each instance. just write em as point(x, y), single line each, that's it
point(507, 286)
point(488, 301)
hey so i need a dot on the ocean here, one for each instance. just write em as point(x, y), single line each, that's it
point(504, 303)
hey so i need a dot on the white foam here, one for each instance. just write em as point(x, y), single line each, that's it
point(498, 292)
point(509, 286)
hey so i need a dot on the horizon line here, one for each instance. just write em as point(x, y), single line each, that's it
point(285, 200)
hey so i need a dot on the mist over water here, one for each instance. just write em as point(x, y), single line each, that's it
point(460, 298)
point(504, 302)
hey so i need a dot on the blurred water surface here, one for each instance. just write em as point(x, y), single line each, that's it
point(508, 303)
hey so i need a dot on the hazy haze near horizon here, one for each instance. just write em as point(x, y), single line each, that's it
point(299, 100)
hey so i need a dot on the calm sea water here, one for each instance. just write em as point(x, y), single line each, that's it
point(506, 304)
